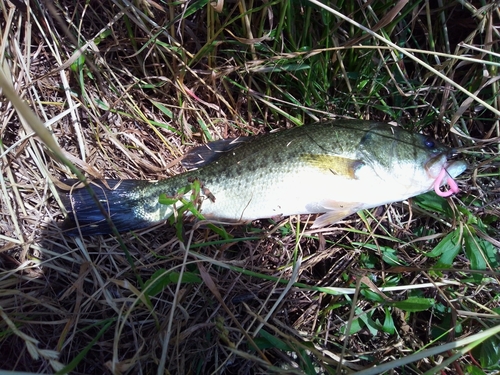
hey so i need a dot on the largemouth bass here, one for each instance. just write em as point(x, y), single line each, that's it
point(333, 168)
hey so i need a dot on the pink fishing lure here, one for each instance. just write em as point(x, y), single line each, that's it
point(451, 183)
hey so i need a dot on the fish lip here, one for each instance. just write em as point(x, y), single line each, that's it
point(435, 164)
point(455, 168)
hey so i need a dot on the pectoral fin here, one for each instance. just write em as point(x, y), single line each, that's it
point(337, 165)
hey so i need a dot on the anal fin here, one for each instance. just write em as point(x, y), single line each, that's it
point(335, 211)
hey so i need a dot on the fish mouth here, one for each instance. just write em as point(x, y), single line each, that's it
point(449, 171)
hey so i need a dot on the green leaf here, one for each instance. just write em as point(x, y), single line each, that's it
point(448, 248)
point(308, 365)
point(442, 325)
point(474, 370)
point(163, 109)
point(481, 248)
point(162, 278)
point(79, 63)
point(433, 202)
point(102, 36)
point(388, 325)
point(490, 354)
point(163, 199)
point(474, 250)
point(273, 341)
point(156, 283)
point(369, 294)
point(187, 277)
point(372, 326)
point(389, 254)
point(356, 326)
point(368, 260)
point(414, 304)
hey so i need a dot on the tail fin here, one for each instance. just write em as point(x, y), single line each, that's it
point(86, 217)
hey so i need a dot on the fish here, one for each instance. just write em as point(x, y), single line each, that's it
point(332, 168)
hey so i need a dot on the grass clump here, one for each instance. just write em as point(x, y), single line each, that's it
point(124, 89)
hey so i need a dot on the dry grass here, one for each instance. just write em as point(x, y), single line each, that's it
point(152, 79)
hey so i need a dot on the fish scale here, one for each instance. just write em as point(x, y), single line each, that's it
point(335, 168)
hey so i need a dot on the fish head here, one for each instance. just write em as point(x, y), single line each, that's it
point(409, 164)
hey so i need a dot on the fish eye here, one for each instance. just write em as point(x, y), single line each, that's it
point(429, 143)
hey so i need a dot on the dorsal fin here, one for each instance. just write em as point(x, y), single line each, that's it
point(200, 156)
